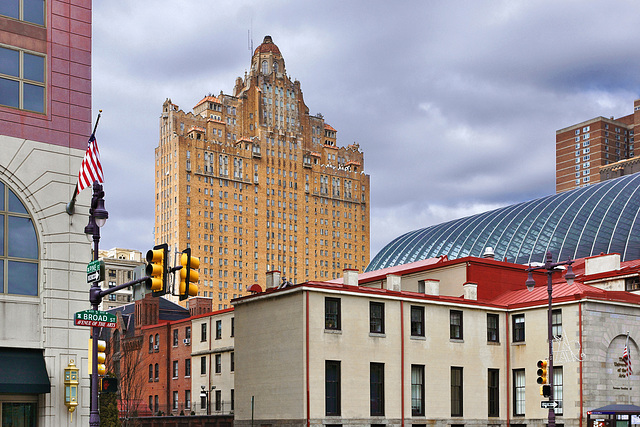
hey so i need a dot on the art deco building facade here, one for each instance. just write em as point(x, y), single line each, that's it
point(582, 149)
point(252, 182)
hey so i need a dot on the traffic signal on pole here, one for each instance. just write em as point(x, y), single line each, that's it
point(157, 268)
point(545, 390)
point(542, 372)
point(189, 276)
point(102, 356)
point(109, 385)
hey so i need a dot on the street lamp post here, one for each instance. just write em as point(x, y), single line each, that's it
point(550, 268)
point(97, 217)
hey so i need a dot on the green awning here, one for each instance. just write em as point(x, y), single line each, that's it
point(23, 370)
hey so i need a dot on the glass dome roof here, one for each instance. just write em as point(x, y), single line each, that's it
point(604, 217)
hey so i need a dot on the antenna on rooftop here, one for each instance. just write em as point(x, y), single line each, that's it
point(250, 38)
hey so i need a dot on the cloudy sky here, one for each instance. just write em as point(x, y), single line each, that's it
point(454, 103)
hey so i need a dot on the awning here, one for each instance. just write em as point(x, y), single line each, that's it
point(23, 371)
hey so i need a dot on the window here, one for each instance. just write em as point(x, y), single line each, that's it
point(187, 399)
point(557, 388)
point(203, 332)
point(150, 343)
point(233, 325)
point(332, 313)
point(19, 248)
point(156, 345)
point(150, 372)
point(203, 365)
point(332, 387)
point(556, 323)
point(22, 78)
point(175, 369)
point(493, 392)
point(24, 10)
point(417, 321)
point(187, 367)
point(518, 328)
point(218, 401)
point(156, 372)
point(377, 389)
point(155, 403)
point(218, 363)
point(175, 337)
point(376, 317)
point(417, 389)
point(456, 391)
point(518, 392)
point(233, 399)
point(492, 327)
point(232, 361)
point(175, 400)
point(218, 329)
point(21, 413)
point(455, 325)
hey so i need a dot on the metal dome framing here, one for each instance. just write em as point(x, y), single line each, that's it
point(574, 224)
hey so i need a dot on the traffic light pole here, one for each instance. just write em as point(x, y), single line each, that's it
point(550, 268)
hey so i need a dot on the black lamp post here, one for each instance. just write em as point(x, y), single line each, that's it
point(550, 268)
point(97, 217)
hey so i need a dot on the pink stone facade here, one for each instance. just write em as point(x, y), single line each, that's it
point(65, 39)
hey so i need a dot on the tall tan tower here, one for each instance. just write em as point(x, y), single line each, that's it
point(252, 183)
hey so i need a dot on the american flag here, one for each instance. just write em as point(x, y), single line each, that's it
point(626, 357)
point(91, 169)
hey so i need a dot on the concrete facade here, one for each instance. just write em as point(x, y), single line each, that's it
point(121, 266)
point(42, 147)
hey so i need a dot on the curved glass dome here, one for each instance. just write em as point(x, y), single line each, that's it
point(587, 221)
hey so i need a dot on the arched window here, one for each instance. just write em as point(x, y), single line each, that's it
point(150, 343)
point(157, 341)
point(19, 247)
point(116, 341)
point(157, 372)
point(265, 67)
point(275, 67)
point(150, 372)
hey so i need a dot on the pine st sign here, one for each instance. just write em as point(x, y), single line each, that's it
point(95, 271)
point(100, 319)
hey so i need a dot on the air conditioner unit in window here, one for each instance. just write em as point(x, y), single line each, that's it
point(155, 347)
point(186, 341)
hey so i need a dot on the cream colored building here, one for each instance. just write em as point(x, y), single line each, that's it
point(121, 266)
point(252, 182)
point(213, 362)
point(436, 342)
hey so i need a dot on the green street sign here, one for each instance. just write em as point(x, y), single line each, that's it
point(95, 271)
point(100, 319)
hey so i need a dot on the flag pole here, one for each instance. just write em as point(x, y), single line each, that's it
point(71, 206)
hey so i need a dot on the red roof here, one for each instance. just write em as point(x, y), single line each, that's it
point(267, 46)
point(208, 99)
point(328, 127)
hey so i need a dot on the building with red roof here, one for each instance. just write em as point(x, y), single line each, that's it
point(436, 342)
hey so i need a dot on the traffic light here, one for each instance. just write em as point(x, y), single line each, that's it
point(102, 357)
point(542, 372)
point(157, 268)
point(109, 385)
point(545, 390)
point(189, 277)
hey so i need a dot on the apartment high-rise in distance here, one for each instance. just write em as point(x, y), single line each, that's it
point(252, 182)
point(584, 149)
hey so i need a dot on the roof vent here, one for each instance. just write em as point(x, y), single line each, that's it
point(488, 253)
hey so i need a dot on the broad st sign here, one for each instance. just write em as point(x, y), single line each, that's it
point(100, 319)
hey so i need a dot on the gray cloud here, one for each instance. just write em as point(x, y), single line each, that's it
point(455, 103)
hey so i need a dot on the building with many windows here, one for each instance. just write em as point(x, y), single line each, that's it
point(252, 182)
point(436, 342)
point(584, 148)
point(45, 121)
point(121, 266)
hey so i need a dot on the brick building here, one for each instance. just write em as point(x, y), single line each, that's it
point(584, 148)
point(253, 182)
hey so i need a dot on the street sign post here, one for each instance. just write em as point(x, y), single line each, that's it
point(100, 319)
point(95, 271)
point(549, 404)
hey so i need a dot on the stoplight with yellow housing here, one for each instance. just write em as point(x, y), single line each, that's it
point(157, 268)
point(542, 372)
point(189, 275)
point(102, 356)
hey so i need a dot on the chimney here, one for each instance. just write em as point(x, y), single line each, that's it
point(350, 277)
point(273, 279)
point(431, 287)
point(489, 253)
point(393, 282)
point(470, 291)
